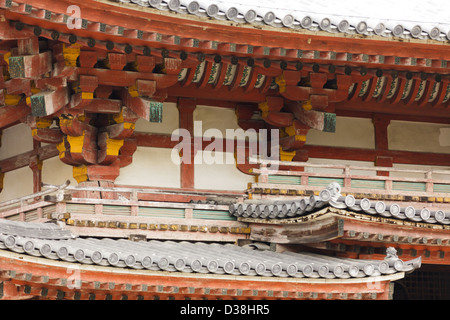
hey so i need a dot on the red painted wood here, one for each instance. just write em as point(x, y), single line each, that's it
point(12, 114)
point(405, 157)
point(203, 29)
point(381, 134)
point(186, 109)
point(48, 135)
point(279, 119)
point(381, 161)
point(163, 285)
point(406, 112)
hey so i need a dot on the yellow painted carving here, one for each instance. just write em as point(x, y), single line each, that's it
point(6, 57)
point(43, 123)
point(87, 95)
point(129, 125)
point(65, 122)
point(81, 117)
point(118, 118)
point(113, 146)
point(35, 90)
point(6, 70)
point(246, 230)
point(264, 107)
point(286, 155)
point(306, 105)
point(71, 53)
point(133, 91)
point(61, 148)
point(290, 130)
point(12, 99)
point(80, 173)
point(299, 137)
point(76, 143)
point(279, 80)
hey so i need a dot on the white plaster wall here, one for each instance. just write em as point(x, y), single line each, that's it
point(16, 140)
point(151, 167)
point(350, 132)
point(419, 136)
point(16, 184)
point(215, 121)
point(55, 172)
point(217, 171)
point(155, 167)
point(444, 137)
point(169, 121)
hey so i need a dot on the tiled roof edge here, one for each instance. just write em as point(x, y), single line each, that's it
point(199, 257)
point(331, 196)
point(296, 19)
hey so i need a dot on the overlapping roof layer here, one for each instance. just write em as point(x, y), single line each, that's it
point(331, 196)
point(184, 256)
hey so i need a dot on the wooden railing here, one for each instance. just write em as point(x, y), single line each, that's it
point(134, 199)
point(270, 175)
point(129, 211)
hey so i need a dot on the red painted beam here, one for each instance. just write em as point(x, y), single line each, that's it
point(186, 109)
point(412, 110)
point(405, 157)
point(205, 29)
point(12, 114)
point(218, 94)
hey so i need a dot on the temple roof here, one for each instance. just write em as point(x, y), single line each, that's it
point(213, 258)
point(331, 196)
point(412, 19)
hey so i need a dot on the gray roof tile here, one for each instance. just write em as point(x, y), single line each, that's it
point(185, 256)
point(331, 196)
point(422, 19)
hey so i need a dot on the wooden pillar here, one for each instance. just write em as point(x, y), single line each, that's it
point(186, 109)
point(36, 167)
point(381, 124)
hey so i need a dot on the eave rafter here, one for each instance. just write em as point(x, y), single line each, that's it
point(94, 33)
point(195, 37)
point(293, 84)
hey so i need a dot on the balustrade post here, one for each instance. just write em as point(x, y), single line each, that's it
point(263, 176)
point(135, 210)
point(388, 184)
point(429, 184)
point(347, 177)
point(188, 213)
point(98, 208)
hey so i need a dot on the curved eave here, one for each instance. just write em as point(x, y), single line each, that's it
point(331, 223)
point(254, 30)
point(31, 277)
point(224, 33)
